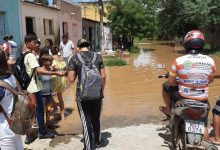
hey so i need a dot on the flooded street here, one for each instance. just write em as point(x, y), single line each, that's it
point(132, 93)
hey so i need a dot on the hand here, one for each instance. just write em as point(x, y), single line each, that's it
point(60, 73)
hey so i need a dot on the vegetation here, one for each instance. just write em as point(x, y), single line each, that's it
point(129, 18)
point(177, 17)
point(134, 50)
point(114, 61)
point(45, 2)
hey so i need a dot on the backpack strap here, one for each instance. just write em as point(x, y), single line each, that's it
point(10, 88)
point(94, 58)
point(80, 58)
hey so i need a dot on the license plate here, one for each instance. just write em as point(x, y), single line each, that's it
point(194, 126)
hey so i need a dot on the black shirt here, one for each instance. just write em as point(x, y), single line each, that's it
point(75, 65)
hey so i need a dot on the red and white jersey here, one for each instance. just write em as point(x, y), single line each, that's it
point(194, 72)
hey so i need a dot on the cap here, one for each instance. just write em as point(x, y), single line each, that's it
point(83, 43)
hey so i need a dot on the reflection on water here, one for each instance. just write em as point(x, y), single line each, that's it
point(144, 59)
point(133, 92)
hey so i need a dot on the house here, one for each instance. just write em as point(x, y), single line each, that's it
point(91, 24)
point(71, 19)
point(10, 20)
point(42, 20)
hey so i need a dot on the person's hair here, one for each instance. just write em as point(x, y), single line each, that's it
point(50, 41)
point(3, 63)
point(30, 37)
point(45, 57)
point(55, 50)
point(65, 36)
point(43, 51)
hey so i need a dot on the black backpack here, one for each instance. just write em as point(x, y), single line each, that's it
point(19, 70)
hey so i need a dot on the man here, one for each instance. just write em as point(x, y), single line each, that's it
point(194, 72)
point(35, 86)
point(66, 47)
point(89, 110)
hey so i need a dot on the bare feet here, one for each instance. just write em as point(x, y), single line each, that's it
point(216, 142)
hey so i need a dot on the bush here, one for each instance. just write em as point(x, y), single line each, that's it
point(115, 62)
point(134, 50)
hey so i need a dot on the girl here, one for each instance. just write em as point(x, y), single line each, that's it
point(8, 139)
point(46, 61)
point(59, 83)
point(49, 45)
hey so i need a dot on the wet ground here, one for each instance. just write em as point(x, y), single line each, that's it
point(132, 94)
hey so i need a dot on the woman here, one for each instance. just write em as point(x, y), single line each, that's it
point(8, 139)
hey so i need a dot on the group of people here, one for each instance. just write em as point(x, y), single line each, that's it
point(49, 69)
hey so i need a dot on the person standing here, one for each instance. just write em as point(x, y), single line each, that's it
point(66, 47)
point(8, 139)
point(35, 86)
point(89, 105)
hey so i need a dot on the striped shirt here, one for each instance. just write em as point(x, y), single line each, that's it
point(194, 73)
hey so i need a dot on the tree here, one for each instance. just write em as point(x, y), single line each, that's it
point(45, 2)
point(177, 17)
point(128, 18)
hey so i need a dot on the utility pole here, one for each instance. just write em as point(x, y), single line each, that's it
point(101, 12)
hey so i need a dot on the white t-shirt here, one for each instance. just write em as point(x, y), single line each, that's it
point(67, 49)
point(7, 104)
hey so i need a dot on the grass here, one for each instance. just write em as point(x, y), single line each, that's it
point(133, 50)
point(114, 61)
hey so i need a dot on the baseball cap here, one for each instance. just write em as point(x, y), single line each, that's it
point(83, 43)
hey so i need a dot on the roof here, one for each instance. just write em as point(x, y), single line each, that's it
point(72, 2)
point(88, 1)
point(40, 4)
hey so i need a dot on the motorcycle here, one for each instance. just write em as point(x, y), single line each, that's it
point(187, 123)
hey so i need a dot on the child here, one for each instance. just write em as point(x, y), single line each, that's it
point(46, 61)
point(59, 83)
point(49, 45)
point(8, 139)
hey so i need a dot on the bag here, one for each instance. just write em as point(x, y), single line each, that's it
point(19, 70)
point(22, 113)
point(90, 82)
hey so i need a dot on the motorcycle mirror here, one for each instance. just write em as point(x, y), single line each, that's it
point(161, 66)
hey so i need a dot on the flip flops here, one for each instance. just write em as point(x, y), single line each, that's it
point(215, 143)
point(165, 110)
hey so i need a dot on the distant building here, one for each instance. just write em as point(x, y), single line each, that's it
point(41, 19)
point(71, 19)
point(10, 20)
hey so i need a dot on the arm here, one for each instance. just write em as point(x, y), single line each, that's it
point(71, 76)
point(41, 71)
point(103, 75)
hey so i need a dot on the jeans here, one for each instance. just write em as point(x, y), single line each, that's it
point(40, 113)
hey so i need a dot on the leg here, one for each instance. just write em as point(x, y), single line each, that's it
point(95, 116)
point(216, 122)
point(10, 143)
point(40, 113)
point(216, 126)
point(61, 102)
point(206, 134)
point(167, 99)
point(84, 109)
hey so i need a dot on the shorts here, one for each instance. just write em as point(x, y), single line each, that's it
point(173, 92)
point(216, 109)
point(47, 98)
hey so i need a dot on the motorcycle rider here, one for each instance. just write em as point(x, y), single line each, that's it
point(194, 72)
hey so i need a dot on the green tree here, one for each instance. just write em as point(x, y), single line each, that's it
point(130, 19)
point(42, 1)
point(177, 17)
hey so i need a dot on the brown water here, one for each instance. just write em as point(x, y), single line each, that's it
point(133, 92)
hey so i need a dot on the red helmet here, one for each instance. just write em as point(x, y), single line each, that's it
point(194, 40)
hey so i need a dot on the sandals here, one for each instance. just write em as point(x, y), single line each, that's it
point(165, 110)
point(215, 143)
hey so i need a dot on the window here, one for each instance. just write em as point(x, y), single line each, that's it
point(48, 27)
point(74, 30)
point(65, 27)
point(2, 24)
point(29, 25)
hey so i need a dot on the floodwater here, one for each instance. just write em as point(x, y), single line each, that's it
point(132, 93)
